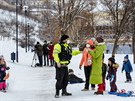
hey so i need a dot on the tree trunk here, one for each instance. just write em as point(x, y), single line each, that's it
point(133, 44)
point(115, 45)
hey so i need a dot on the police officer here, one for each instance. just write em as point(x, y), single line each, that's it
point(62, 54)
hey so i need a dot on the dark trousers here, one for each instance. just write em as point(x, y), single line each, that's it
point(61, 77)
point(40, 60)
point(46, 60)
point(51, 62)
point(104, 84)
point(113, 85)
point(87, 72)
point(128, 76)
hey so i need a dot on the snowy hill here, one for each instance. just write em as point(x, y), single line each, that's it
point(4, 3)
point(38, 84)
point(8, 24)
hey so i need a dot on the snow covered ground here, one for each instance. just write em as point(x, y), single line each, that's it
point(38, 84)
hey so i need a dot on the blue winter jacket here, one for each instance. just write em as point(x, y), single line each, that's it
point(127, 66)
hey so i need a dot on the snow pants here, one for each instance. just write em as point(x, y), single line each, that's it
point(113, 85)
point(128, 76)
point(100, 87)
point(2, 85)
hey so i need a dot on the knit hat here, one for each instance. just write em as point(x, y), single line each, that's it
point(99, 39)
point(64, 37)
point(126, 57)
point(45, 41)
point(93, 39)
point(90, 42)
point(112, 59)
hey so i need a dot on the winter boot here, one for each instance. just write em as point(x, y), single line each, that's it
point(92, 88)
point(65, 93)
point(98, 93)
point(127, 81)
point(57, 94)
point(85, 89)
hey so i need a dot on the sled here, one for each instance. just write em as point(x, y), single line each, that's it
point(123, 93)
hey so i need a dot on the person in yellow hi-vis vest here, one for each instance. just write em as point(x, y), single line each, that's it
point(62, 54)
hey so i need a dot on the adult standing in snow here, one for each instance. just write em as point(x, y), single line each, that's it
point(45, 53)
point(128, 69)
point(96, 72)
point(51, 47)
point(87, 61)
point(39, 52)
point(62, 54)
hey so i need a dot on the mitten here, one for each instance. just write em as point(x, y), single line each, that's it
point(112, 78)
point(107, 77)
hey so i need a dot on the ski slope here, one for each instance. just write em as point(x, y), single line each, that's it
point(38, 84)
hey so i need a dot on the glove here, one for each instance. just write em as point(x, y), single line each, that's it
point(58, 65)
point(80, 67)
point(107, 77)
point(7, 68)
point(112, 78)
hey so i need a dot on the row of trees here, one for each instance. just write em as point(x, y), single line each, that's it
point(77, 16)
point(122, 13)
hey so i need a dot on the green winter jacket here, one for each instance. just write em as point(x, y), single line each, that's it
point(96, 72)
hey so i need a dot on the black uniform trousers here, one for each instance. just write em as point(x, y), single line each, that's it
point(61, 77)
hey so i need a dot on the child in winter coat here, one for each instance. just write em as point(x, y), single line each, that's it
point(112, 74)
point(87, 61)
point(3, 75)
point(73, 78)
point(128, 69)
point(104, 70)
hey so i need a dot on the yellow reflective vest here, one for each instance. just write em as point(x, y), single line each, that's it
point(57, 51)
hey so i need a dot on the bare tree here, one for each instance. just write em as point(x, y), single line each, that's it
point(121, 12)
point(67, 12)
point(133, 35)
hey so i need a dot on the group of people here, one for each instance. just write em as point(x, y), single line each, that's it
point(94, 67)
point(44, 52)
